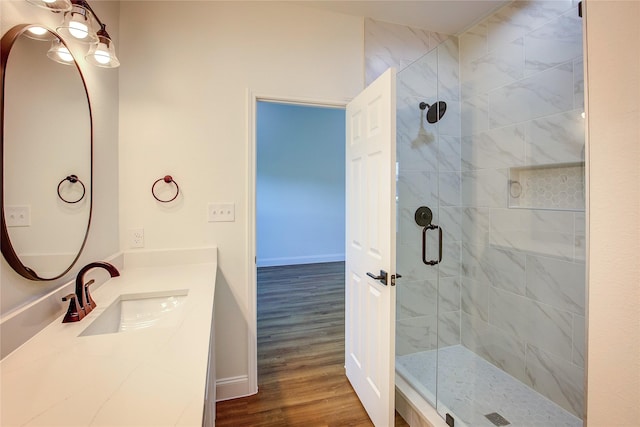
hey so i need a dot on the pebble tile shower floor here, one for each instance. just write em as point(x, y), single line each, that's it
point(471, 388)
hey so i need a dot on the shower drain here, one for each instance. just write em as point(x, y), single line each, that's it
point(497, 419)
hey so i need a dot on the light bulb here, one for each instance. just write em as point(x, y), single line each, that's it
point(102, 54)
point(38, 31)
point(78, 30)
point(64, 54)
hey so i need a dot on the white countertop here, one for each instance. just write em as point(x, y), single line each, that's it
point(152, 377)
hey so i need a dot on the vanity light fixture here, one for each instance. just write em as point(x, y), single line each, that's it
point(59, 53)
point(54, 5)
point(80, 24)
point(103, 53)
point(39, 33)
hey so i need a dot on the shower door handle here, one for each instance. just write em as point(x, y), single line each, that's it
point(424, 244)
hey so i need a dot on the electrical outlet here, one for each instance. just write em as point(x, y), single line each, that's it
point(221, 212)
point(136, 238)
point(18, 216)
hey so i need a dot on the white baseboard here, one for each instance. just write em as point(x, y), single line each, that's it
point(233, 388)
point(310, 259)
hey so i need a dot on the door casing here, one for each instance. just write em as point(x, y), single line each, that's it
point(253, 97)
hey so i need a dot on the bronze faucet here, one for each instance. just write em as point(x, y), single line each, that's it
point(81, 303)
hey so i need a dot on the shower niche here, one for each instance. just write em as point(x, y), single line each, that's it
point(555, 187)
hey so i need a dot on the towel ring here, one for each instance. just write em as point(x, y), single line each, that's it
point(168, 179)
point(72, 179)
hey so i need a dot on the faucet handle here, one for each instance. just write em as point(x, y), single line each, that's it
point(90, 302)
point(75, 312)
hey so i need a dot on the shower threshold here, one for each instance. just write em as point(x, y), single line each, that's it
point(470, 388)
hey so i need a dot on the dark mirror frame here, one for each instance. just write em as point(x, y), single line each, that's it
point(7, 42)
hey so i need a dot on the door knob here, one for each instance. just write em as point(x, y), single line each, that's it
point(382, 277)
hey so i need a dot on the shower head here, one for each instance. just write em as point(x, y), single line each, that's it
point(434, 111)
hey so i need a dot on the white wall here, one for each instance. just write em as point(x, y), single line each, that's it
point(186, 68)
point(300, 184)
point(102, 84)
point(613, 115)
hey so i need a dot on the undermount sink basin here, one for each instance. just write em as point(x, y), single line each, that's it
point(131, 312)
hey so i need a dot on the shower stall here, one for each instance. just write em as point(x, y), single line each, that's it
point(491, 227)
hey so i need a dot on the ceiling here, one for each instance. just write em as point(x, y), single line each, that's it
point(443, 16)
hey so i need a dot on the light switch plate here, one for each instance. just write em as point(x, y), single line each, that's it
point(221, 212)
point(18, 216)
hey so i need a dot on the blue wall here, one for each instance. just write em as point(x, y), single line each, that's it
point(300, 184)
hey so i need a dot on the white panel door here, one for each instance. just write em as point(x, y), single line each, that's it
point(370, 247)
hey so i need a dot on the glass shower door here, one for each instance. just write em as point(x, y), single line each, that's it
point(418, 241)
point(450, 219)
point(429, 224)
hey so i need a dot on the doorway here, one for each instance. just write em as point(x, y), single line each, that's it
point(300, 187)
point(254, 100)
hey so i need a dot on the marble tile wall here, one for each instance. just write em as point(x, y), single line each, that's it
point(392, 45)
point(522, 270)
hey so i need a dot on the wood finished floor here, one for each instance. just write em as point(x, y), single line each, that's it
point(301, 377)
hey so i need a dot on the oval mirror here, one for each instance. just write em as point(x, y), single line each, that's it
point(46, 151)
